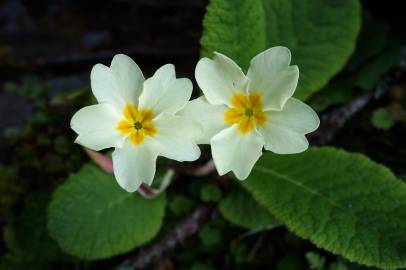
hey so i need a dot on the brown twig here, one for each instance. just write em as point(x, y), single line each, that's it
point(178, 234)
point(206, 169)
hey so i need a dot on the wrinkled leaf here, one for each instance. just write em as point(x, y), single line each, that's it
point(343, 202)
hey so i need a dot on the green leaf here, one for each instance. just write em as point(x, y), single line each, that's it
point(180, 204)
point(320, 34)
point(378, 49)
point(343, 202)
point(210, 236)
point(369, 75)
point(315, 260)
point(236, 28)
point(381, 119)
point(240, 208)
point(371, 41)
point(91, 217)
point(210, 193)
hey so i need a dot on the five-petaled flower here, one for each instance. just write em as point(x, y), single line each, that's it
point(241, 114)
point(138, 118)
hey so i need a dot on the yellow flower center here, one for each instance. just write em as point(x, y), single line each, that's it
point(136, 124)
point(246, 112)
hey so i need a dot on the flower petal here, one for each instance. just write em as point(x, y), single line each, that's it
point(96, 127)
point(271, 75)
point(232, 151)
point(284, 131)
point(210, 117)
point(296, 116)
point(220, 78)
point(128, 76)
point(281, 140)
point(134, 165)
point(164, 93)
point(118, 85)
point(104, 86)
point(176, 137)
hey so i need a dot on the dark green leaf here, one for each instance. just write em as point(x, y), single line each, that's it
point(342, 202)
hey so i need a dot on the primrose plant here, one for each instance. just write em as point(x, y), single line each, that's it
point(253, 116)
point(238, 115)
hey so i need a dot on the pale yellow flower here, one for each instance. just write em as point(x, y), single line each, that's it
point(138, 118)
point(241, 114)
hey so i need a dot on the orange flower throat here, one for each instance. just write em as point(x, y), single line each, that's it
point(136, 124)
point(246, 112)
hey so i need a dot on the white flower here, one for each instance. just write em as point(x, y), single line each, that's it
point(137, 117)
point(241, 114)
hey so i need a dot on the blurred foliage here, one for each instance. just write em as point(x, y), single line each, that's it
point(377, 50)
point(36, 157)
point(210, 193)
point(316, 262)
point(27, 236)
point(381, 119)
